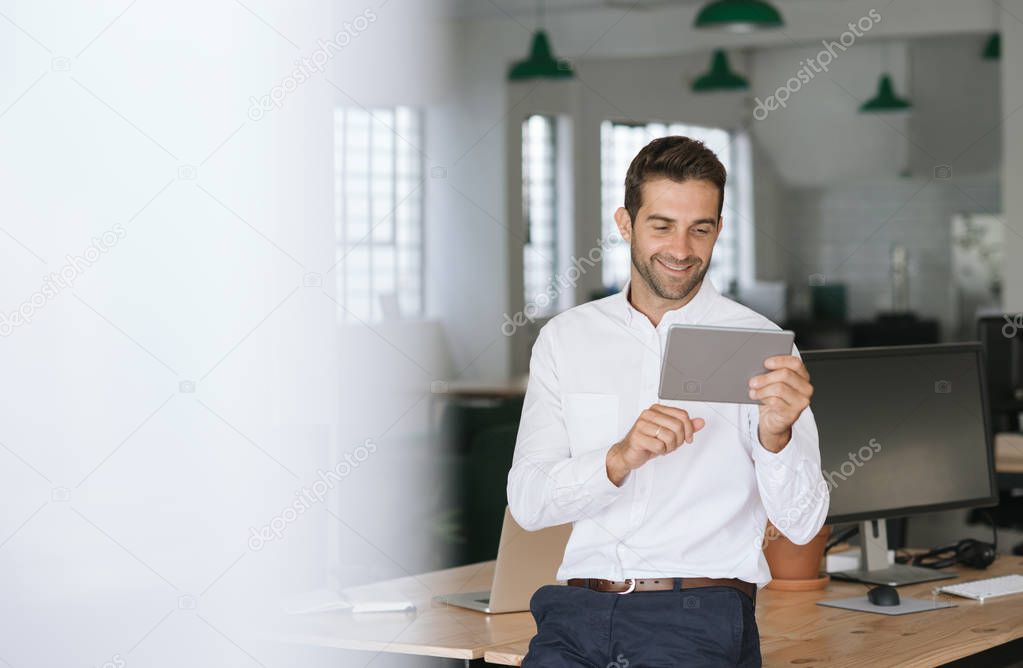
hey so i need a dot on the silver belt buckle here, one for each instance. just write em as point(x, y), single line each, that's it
point(632, 586)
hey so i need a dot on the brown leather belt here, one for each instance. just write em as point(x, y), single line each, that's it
point(663, 584)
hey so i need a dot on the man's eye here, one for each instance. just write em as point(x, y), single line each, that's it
point(661, 228)
point(702, 231)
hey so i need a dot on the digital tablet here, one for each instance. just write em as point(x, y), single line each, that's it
point(715, 363)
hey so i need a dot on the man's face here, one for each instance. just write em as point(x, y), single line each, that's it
point(673, 235)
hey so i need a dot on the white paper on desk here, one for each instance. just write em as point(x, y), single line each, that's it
point(378, 599)
point(319, 600)
point(383, 606)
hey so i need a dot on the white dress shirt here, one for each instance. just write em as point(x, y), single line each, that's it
point(699, 511)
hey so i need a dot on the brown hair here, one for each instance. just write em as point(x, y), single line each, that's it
point(676, 158)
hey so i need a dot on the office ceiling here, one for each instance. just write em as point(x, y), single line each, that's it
point(527, 9)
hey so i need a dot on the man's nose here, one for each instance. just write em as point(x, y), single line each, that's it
point(680, 246)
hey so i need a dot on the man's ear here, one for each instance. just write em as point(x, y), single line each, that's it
point(624, 222)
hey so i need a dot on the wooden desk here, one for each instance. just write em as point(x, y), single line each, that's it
point(432, 630)
point(473, 389)
point(1009, 453)
point(796, 631)
point(1009, 461)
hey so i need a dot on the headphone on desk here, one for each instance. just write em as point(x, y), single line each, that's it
point(969, 552)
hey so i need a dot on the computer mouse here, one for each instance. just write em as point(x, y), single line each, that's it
point(883, 595)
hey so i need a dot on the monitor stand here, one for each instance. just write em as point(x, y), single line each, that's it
point(874, 567)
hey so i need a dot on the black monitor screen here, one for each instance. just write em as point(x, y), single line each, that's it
point(902, 430)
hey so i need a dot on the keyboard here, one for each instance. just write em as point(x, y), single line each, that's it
point(979, 590)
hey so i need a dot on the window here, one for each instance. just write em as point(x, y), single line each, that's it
point(539, 208)
point(620, 142)
point(379, 213)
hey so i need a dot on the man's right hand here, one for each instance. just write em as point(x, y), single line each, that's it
point(658, 430)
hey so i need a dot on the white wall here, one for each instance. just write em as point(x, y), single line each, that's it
point(467, 233)
point(845, 233)
point(771, 255)
point(958, 98)
point(820, 137)
point(1012, 167)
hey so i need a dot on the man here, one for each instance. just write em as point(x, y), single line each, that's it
point(669, 501)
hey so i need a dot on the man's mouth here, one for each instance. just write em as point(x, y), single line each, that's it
point(675, 268)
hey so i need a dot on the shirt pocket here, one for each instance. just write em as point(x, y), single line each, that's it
point(591, 420)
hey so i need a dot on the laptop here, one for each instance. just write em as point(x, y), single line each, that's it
point(526, 560)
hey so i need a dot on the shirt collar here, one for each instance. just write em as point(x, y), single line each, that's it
point(691, 313)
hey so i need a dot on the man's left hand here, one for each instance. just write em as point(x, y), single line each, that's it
point(784, 391)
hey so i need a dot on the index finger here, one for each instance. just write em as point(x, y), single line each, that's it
point(688, 429)
point(670, 410)
point(787, 362)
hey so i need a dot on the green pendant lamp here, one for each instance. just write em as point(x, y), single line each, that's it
point(738, 16)
point(720, 77)
point(993, 48)
point(541, 63)
point(886, 100)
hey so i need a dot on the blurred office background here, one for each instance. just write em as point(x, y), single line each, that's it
point(324, 236)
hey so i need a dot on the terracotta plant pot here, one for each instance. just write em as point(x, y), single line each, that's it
point(795, 567)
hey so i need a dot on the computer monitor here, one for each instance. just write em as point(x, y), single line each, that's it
point(1002, 338)
point(903, 430)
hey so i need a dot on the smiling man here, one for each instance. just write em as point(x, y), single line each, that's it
point(669, 501)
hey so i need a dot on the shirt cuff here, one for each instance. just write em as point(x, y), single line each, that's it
point(588, 479)
point(787, 457)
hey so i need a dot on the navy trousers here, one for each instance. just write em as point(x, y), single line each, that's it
point(707, 626)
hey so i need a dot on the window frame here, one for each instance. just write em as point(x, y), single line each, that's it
point(404, 181)
point(532, 290)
